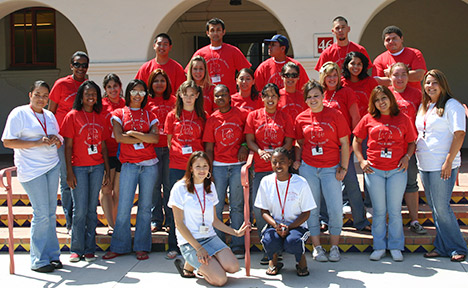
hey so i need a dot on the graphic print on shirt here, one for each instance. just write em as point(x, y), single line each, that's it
point(384, 134)
point(215, 70)
point(230, 133)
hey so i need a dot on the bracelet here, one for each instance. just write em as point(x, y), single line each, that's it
point(342, 168)
point(245, 145)
point(199, 249)
point(409, 157)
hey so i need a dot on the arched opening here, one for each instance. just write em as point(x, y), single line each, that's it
point(246, 27)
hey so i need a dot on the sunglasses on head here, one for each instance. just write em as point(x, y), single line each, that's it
point(135, 92)
point(80, 65)
point(291, 75)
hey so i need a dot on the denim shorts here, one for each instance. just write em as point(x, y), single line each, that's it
point(114, 163)
point(212, 245)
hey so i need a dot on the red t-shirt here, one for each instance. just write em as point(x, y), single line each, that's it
point(208, 99)
point(321, 130)
point(172, 68)
point(107, 108)
point(387, 132)
point(161, 108)
point(338, 54)
point(87, 130)
point(408, 101)
point(63, 93)
point(226, 131)
point(269, 71)
point(222, 64)
point(269, 131)
point(362, 89)
point(139, 120)
point(186, 132)
point(292, 103)
point(341, 100)
point(246, 103)
point(412, 57)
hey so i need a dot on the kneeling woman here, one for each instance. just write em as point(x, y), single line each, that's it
point(193, 200)
point(390, 146)
point(285, 200)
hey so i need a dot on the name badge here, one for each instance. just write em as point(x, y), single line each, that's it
point(204, 229)
point(138, 146)
point(92, 149)
point(385, 153)
point(187, 150)
point(216, 79)
point(317, 150)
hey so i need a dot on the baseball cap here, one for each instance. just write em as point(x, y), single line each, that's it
point(281, 39)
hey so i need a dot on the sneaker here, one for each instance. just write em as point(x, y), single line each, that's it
point(89, 257)
point(396, 255)
point(44, 269)
point(264, 260)
point(319, 254)
point(57, 264)
point(74, 257)
point(240, 254)
point(377, 255)
point(334, 255)
point(417, 228)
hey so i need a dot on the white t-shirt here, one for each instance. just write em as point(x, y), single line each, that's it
point(22, 124)
point(432, 150)
point(299, 198)
point(188, 202)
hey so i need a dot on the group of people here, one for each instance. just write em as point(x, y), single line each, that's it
point(304, 135)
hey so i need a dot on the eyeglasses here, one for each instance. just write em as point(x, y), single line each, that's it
point(135, 93)
point(290, 75)
point(80, 65)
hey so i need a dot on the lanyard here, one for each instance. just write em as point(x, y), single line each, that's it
point(133, 121)
point(182, 128)
point(90, 127)
point(44, 126)
point(315, 129)
point(269, 131)
point(282, 205)
point(328, 103)
point(425, 120)
point(202, 207)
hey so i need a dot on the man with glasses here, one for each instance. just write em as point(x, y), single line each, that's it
point(269, 71)
point(162, 45)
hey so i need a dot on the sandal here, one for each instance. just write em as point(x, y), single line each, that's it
point(274, 270)
point(110, 231)
point(302, 272)
point(111, 255)
point(142, 255)
point(184, 273)
point(458, 258)
point(171, 255)
point(432, 254)
point(366, 229)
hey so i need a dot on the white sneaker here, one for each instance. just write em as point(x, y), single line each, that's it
point(319, 254)
point(396, 255)
point(334, 255)
point(377, 255)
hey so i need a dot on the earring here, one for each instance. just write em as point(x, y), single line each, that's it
point(208, 176)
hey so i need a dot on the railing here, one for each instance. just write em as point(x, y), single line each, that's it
point(7, 187)
point(245, 184)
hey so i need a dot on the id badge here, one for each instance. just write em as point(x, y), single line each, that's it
point(216, 79)
point(138, 146)
point(187, 150)
point(92, 149)
point(317, 150)
point(204, 229)
point(269, 149)
point(384, 153)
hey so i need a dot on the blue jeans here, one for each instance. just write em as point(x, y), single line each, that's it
point(157, 216)
point(293, 243)
point(323, 182)
point(42, 192)
point(258, 213)
point(449, 240)
point(386, 190)
point(412, 184)
point(131, 176)
point(174, 176)
point(65, 191)
point(85, 198)
point(225, 176)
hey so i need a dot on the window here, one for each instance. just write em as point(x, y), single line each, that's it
point(32, 33)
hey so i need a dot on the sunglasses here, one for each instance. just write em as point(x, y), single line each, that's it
point(290, 75)
point(80, 65)
point(135, 93)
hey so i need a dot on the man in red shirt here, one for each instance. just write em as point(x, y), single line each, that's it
point(338, 50)
point(396, 52)
point(223, 60)
point(269, 71)
point(162, 46)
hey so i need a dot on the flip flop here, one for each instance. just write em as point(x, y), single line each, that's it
point(458, 258)
point(274, 270)
point(171, 255)
point(184, 273)
point(142, 255)
point(302, 272)
point(111, 255)
point(432, 254)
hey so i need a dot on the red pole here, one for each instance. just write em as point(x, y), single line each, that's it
point(11, 240)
